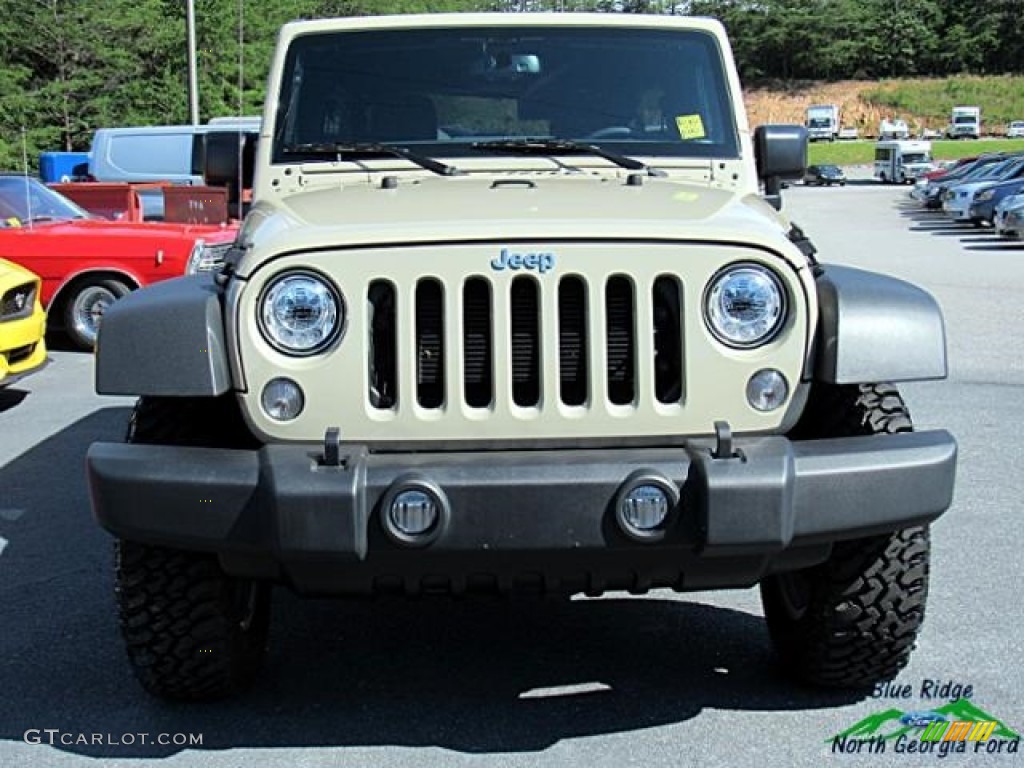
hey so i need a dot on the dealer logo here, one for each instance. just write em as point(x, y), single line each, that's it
point(955, 727)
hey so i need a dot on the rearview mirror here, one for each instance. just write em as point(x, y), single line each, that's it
point(502, 65)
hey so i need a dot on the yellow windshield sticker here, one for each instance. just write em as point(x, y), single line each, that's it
point(685, 196)
point(690, 127)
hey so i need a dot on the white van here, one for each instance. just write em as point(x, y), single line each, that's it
point(171, 153)
point(902, 162)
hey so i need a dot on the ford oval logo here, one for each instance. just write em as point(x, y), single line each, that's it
point(539, 262)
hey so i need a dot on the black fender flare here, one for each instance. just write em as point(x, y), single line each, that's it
point(873, 327)
point(165, 340)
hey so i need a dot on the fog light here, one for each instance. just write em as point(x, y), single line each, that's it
point(767, 390)
point(414, 510)
point(282, 399)
point(645, 507)
point(644, 504)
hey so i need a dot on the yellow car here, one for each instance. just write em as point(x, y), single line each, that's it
point(22, 324)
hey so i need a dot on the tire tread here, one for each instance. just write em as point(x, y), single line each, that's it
point(180, 614)
point(867, 601)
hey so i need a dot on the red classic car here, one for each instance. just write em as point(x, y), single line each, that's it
point(87, 263)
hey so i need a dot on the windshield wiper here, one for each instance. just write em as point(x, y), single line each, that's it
point(547, 146)
point(369, 148)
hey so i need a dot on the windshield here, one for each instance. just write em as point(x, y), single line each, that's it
point(916, 157)
point(1011, 169)
point(961, 119)
point(819, 122)
point(650, 92)
point(985, 169)
point(26, 199)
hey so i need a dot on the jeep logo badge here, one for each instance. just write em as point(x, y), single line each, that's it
point(541, 262)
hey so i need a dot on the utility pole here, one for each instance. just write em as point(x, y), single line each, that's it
point(193, 72)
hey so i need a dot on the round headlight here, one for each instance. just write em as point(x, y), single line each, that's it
point(301, 313)
point(745, 305)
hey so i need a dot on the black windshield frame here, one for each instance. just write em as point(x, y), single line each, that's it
point(633, 90)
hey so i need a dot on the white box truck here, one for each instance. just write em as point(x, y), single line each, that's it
point(964, 123)
point(822, 121)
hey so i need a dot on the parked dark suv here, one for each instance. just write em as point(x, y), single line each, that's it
point(824, 175)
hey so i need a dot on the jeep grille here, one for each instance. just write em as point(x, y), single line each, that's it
point(495, 324)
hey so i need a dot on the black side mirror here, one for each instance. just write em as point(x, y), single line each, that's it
point(780, 152)
point(228, 156)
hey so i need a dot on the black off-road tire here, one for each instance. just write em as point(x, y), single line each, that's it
point(191, 631)
point(204, 422)
point(852, 621)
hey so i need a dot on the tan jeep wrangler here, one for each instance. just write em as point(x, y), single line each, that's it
point(513, 312)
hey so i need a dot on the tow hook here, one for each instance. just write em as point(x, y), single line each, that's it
point(723, 442)
point(332, 447)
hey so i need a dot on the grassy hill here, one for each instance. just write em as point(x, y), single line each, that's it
point(863, 152)
point(922, 102)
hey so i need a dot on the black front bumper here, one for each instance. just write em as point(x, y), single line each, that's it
point(534, 520)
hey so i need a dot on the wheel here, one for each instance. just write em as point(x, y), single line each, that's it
point(882, 178)
point(852, 621)
point(84, 308)
point(191, 631)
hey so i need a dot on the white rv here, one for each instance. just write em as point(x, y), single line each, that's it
point(902, 162)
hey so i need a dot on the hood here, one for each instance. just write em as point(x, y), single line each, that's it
point(102, 228)
point(969, 188)
point(11, 273)
point(514, 207)
point(1003, 186)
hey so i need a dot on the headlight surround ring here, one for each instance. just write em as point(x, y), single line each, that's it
point(745, 288)
point(301, 313)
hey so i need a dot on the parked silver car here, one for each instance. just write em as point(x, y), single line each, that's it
point(1009, 217)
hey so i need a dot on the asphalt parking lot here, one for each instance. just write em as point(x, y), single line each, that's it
point(663, 680)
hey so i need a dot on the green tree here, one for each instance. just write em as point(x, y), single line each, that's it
point(68, 72)
point(899, 38)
